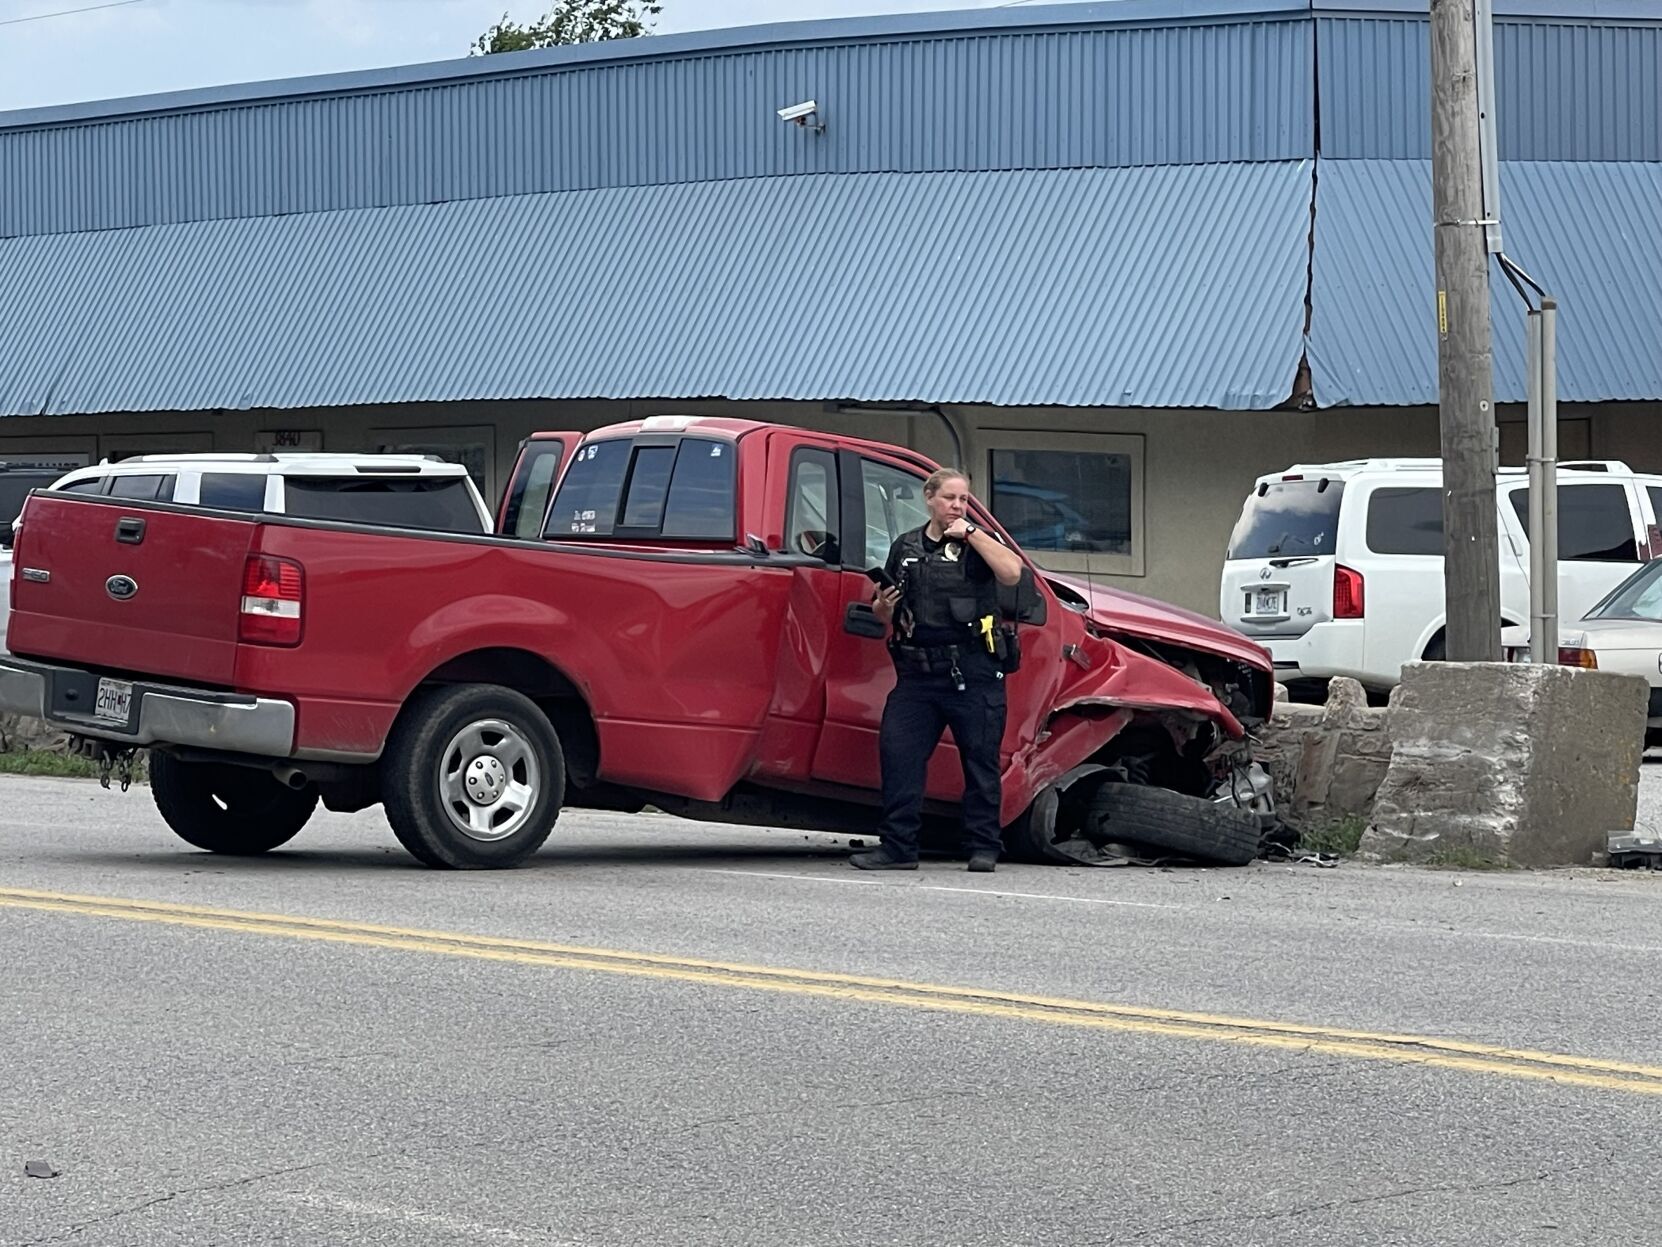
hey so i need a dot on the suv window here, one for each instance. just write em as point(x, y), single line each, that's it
point(1288, 518)
point(1595, 523)
point(439, 504)
point(680, 490)
point(1405, 521)
point(147, 487)
point(233, 491)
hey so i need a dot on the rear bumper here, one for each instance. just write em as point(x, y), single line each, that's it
point(1326, 650)
point(159, 714)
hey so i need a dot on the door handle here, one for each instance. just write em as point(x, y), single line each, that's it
point(129, 530)
point(860, 620)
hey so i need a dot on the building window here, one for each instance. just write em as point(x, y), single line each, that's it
point(1073, 501)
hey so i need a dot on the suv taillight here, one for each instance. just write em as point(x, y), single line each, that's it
point(1347, 593)
point(272, 590)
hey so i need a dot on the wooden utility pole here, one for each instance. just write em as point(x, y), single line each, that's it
point(1465, 366)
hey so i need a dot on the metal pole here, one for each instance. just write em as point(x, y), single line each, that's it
point(1471, 566)
point(1549, 470)
point(1540, 650)
point(1483, 18)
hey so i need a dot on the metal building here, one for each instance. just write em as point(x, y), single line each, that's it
point(1118, 258)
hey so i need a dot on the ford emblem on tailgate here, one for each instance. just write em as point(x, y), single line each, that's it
point(121, 587)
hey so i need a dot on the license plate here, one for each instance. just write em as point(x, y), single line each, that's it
point(115, 700)
point(1268, 602)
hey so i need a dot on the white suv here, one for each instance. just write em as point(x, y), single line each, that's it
point(400, 491)
point(1337, 568)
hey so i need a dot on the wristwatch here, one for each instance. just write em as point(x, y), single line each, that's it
point(970, 529)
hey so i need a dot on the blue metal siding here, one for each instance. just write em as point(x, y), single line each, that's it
point(1590, 233)
point(1028, 99)
point(1174, 286)
point(1565, 90)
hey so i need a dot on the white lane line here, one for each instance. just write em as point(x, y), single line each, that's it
point(1567, 940)
point(932, 887)
point(1047, 896)
point(764, 874)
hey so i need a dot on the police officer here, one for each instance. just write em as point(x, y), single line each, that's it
point(944, 615)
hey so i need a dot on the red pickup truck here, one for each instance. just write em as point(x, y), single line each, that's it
point(673, 612)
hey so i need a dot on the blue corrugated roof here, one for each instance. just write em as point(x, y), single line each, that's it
point(1048, 98)
point(1591, 233)
point(1147, 287)
point(945, 23)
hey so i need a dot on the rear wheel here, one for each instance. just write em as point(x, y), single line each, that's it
point(228, 809)
point(473, 777)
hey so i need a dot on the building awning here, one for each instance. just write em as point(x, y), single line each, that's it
point(1591, 233)
point(1178, 286)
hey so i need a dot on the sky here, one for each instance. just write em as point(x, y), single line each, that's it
point(146, 46)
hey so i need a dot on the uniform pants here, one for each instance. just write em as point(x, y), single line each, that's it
point(918, 709)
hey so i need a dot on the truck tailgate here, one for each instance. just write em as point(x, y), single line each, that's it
point(140, 589)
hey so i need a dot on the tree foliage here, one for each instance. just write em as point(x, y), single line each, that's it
point(570, 21)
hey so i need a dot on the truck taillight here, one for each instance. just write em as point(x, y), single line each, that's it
point(272, 590)
point(1347, 593)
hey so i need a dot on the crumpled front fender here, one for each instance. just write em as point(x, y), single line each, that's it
point(1121, 678)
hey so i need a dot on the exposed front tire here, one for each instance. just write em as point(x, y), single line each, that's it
point(234, 810)
point(1179, 825)
point(473, 777)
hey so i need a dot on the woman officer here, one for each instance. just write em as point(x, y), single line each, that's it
point(944, 617)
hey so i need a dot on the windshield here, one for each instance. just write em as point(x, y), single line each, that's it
point(1637, 597)
point(1288, 518)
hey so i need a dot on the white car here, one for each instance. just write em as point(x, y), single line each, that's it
point(1622, 633)
point(397, 491)
point(1337, 568)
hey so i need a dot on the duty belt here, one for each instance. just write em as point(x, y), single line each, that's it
point(931, 660)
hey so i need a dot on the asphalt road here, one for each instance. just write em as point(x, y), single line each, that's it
point(664, 1032)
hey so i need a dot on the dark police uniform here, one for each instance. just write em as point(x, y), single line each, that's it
point(945, 676)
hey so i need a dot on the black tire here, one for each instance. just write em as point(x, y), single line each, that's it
point(1183, 826)
point(234, 810)
point(450, 773)
point(1436, 649)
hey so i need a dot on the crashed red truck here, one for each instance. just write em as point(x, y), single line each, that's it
point(673, 613)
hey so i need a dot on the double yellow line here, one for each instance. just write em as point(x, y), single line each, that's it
point(1046, 1010)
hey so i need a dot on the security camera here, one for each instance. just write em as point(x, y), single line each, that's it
point(799, 113)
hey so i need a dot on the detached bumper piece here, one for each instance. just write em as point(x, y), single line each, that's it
point(139, 713)
point(1635, 852)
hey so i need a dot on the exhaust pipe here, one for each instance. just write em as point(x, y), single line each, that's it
point(292, 776)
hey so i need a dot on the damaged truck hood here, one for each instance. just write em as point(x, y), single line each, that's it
point(1120, 612)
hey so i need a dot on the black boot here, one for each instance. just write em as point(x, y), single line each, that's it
point(983, 862)
point(879, 859)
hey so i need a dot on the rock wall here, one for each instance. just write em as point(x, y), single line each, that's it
point(1327, 761)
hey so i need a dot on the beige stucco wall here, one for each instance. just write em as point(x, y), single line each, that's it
point(1197, 466)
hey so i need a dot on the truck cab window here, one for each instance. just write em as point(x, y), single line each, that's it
point(811, 519)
